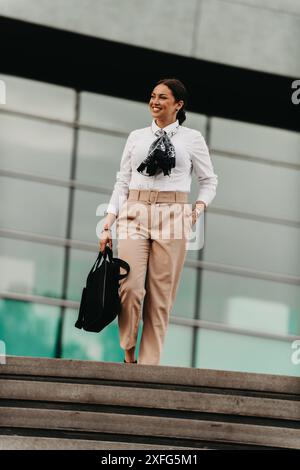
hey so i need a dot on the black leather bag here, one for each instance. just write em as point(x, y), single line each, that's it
point(100, 302)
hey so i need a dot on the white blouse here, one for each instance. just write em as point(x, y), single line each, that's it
point(191, 154)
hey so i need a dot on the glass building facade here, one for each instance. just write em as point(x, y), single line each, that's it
point(238, 303)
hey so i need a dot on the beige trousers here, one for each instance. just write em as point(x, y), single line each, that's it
point(151, 241)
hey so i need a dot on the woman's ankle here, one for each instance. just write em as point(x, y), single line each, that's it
point(129, 354)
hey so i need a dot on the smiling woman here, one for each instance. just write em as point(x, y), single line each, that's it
point(155, 177)
point(167, 102)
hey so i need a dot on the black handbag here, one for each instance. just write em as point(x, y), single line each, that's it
point(100, 302)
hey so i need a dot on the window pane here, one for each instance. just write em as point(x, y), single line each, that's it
point(178, 346)
point(113, 113)
point(221, 350)
point(260, 189)
point(196, 121)
point(33, 207)
point(43, 99)
point(247, 303)
point(252, 244)
point(35, 147)
point(85, 219)
point(255, 140)
point(186, 294)
point(81, 263)
point(99, 157)
point(31, 268)
point(28, 329)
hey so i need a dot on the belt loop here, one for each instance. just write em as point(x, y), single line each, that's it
point(156, 196)
point(138, 195)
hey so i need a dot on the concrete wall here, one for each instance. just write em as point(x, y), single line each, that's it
point(256, 34)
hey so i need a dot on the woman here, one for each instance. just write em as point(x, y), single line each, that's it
point(149, 196)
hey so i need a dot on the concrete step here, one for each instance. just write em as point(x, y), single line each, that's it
point(152, 426)
point(52, 443)
point(159, 405)
point(204, 402)
point(31, 366)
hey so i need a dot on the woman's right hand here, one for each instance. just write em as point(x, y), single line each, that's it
point(106, 235)
point(105, 239)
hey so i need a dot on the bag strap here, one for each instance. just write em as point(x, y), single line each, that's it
point(97, 262)
point(122, 264)
point(107, 253)
point(119, 262)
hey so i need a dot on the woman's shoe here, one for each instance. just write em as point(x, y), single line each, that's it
point(130, 362)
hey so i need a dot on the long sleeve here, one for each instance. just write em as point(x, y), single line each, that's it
point(121, 187)
point(203, 168)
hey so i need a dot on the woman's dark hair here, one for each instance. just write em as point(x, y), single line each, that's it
point(179, 92)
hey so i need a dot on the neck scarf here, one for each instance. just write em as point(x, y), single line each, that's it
point(161, 154)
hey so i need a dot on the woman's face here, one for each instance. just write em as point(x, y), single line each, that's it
point(162, 104)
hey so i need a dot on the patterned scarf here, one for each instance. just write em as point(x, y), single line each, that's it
point(161, 154)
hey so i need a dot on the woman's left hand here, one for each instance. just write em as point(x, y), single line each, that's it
point(199, 208)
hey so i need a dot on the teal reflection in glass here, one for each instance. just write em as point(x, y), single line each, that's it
point(103, 346)
point(28, 329)
point(222, 350)
point(178, 346)
point(31, 268)
point(81, 263)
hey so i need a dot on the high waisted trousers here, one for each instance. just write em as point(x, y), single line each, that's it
point(152, 239)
